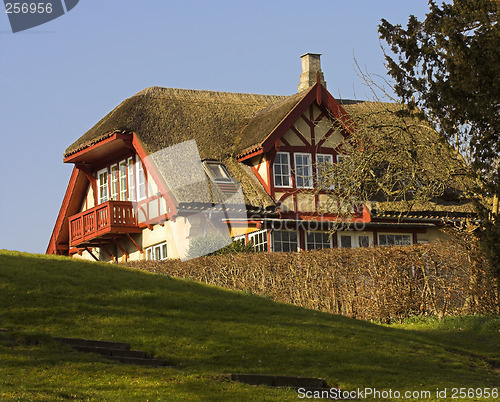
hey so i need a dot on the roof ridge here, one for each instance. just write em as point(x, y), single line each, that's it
point(158, 92)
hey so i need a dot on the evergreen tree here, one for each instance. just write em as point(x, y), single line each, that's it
point(448, 68)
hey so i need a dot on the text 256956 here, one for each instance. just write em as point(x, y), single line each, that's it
point(28, 8)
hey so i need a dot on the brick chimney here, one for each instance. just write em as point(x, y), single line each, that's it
point(311, 65)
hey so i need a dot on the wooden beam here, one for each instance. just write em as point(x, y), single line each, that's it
point(325, 137)
point(261, 179)
point(63, 213)
point(301, 137)
point(134, 243)
point(91, 253)
point(113, 258)
point(117, 244)
point(289, 119)
point(150, 169)
point(92, 180)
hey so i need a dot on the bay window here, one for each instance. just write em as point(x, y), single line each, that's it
point(259, 240)
point(131, 179)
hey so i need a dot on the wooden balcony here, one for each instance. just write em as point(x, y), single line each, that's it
point(107, 221)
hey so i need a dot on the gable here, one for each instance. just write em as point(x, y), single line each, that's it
point(314, 128)
point(317, 95)
point(75, 194)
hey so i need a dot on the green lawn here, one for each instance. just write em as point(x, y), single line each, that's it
point(208, 332)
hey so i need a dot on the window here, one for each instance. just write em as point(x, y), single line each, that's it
point(322, 162)
point(354, 239)
point(281, 169)
point(217, 171)
point(141, 181)
point(303, 171)
point(318, 240)
point(395, 239)
point(341, 158)
point(131, 179)
point(157, 252)
point(345, 241)
point(118, 181)
point(239, 238)
point(345, 180)
point(122, 171)
point(114, 182)
point(259, 240)
point(102, 177)
point(285, 241)
point(363, 241)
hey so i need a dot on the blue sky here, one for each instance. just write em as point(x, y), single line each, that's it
point(58, 79)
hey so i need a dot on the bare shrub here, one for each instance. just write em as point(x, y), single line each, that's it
point(381, 283)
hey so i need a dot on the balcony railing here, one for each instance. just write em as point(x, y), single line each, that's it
point(105, 220)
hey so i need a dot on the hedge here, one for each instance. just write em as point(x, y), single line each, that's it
point(381, 283)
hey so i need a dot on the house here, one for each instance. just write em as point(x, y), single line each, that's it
point(167, 166)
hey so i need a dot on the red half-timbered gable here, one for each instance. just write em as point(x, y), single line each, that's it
point(307, 137)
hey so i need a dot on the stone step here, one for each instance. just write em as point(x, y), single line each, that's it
point(280, 381)
point(118, 351)
point(94, 343)
point(139, 361)
point(111, 351)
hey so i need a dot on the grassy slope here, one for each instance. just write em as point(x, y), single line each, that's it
point(206, 332)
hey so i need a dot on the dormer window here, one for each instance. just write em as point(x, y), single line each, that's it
point(217, 171)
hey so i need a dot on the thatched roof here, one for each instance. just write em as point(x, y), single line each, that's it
point(162, 117)
point(223, 125)
point(264, 122)
point(391, 126)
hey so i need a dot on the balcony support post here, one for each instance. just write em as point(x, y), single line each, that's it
point(134, 243)
point(113, 258)
point(117, 244)
point(91, 253)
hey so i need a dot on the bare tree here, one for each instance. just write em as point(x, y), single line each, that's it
point(394, 159)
